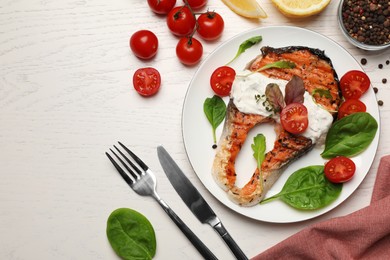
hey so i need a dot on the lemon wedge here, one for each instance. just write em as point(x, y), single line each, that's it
point(246, 8)
point(300, 8)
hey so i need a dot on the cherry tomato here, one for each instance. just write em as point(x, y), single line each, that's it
point(161, 6)
point(339, 169)
point(351, 106)
point(221, 80)
point(144, 44)
point(189, 50)
point(294, 118)
point(147, 81)
point(210, 25)
point(354, 84)
point(196, 4)
point(181, 22)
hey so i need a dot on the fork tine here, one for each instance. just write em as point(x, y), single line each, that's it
point(135, 176)
point(119, 169)
point(130, 162)
point(135, 157)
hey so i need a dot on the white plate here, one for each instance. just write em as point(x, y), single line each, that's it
point(197, 133)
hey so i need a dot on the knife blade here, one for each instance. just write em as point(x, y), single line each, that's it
point(194, 200)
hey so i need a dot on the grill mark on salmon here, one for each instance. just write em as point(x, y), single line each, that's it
point(317, 71)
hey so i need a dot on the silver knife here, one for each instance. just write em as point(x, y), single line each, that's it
point(194, 200)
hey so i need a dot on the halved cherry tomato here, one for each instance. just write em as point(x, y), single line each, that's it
point(351, 106)
point(189, 51)
point(181, 21)
point(354, 84)
point(294, 118)
point(144, 44)
point(210, 26)
point(221, 80)
point(161, 6)
point(339, 169)
point(147, 81)
point(196, 4)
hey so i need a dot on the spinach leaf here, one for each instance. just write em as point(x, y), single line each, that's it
point(215, 111)
point(246, 45)
point(131, 235)
point(258, 148)
point(350, 135)
point(308, 189)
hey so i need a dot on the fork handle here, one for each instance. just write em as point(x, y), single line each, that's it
point(202, 248)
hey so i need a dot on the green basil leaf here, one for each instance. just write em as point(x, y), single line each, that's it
point(322, 92)
point(131, 235)
point(350, 135)
point(215, 111)
point(246, 45)
point(308, 189)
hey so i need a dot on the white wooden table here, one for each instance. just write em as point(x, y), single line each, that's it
point(66, 96)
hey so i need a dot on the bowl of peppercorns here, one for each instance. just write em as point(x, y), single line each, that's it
point(366, 24)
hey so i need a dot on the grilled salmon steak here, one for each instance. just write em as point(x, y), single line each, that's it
point(317, 72)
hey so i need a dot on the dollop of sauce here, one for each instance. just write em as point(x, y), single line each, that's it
point(248, 94)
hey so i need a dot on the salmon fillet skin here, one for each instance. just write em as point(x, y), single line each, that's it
point(317, 72)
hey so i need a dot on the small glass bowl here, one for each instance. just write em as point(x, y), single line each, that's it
point(351, 39)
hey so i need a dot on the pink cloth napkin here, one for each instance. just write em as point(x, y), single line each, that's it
point(364, 234)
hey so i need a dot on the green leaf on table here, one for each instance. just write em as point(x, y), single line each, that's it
point(308, 189)
point(131, 235)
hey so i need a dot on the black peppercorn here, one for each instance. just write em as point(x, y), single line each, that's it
point(380, 102)
point(384, 81)
point(363, 61)
point(375, 90)
point(380, 66)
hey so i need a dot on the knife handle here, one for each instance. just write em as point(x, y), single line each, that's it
point(229, 241)
point(202, 248)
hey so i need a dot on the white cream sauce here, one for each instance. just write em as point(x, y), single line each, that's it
point(248, 93)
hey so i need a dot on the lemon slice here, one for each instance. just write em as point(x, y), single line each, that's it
point(300, 8)
point(246, 8)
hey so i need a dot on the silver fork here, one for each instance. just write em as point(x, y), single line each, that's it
point(142, 180)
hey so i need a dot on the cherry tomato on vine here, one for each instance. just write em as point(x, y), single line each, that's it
point(339, 169)
point(181, 22)
point(144, 44)
point(354, 84)
point(161, 6)
point(351, 106)
point(294, 118)
point(147, 81)
point(210, 25)
point(196, 4)
point(189, 50)
point(221, 80)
